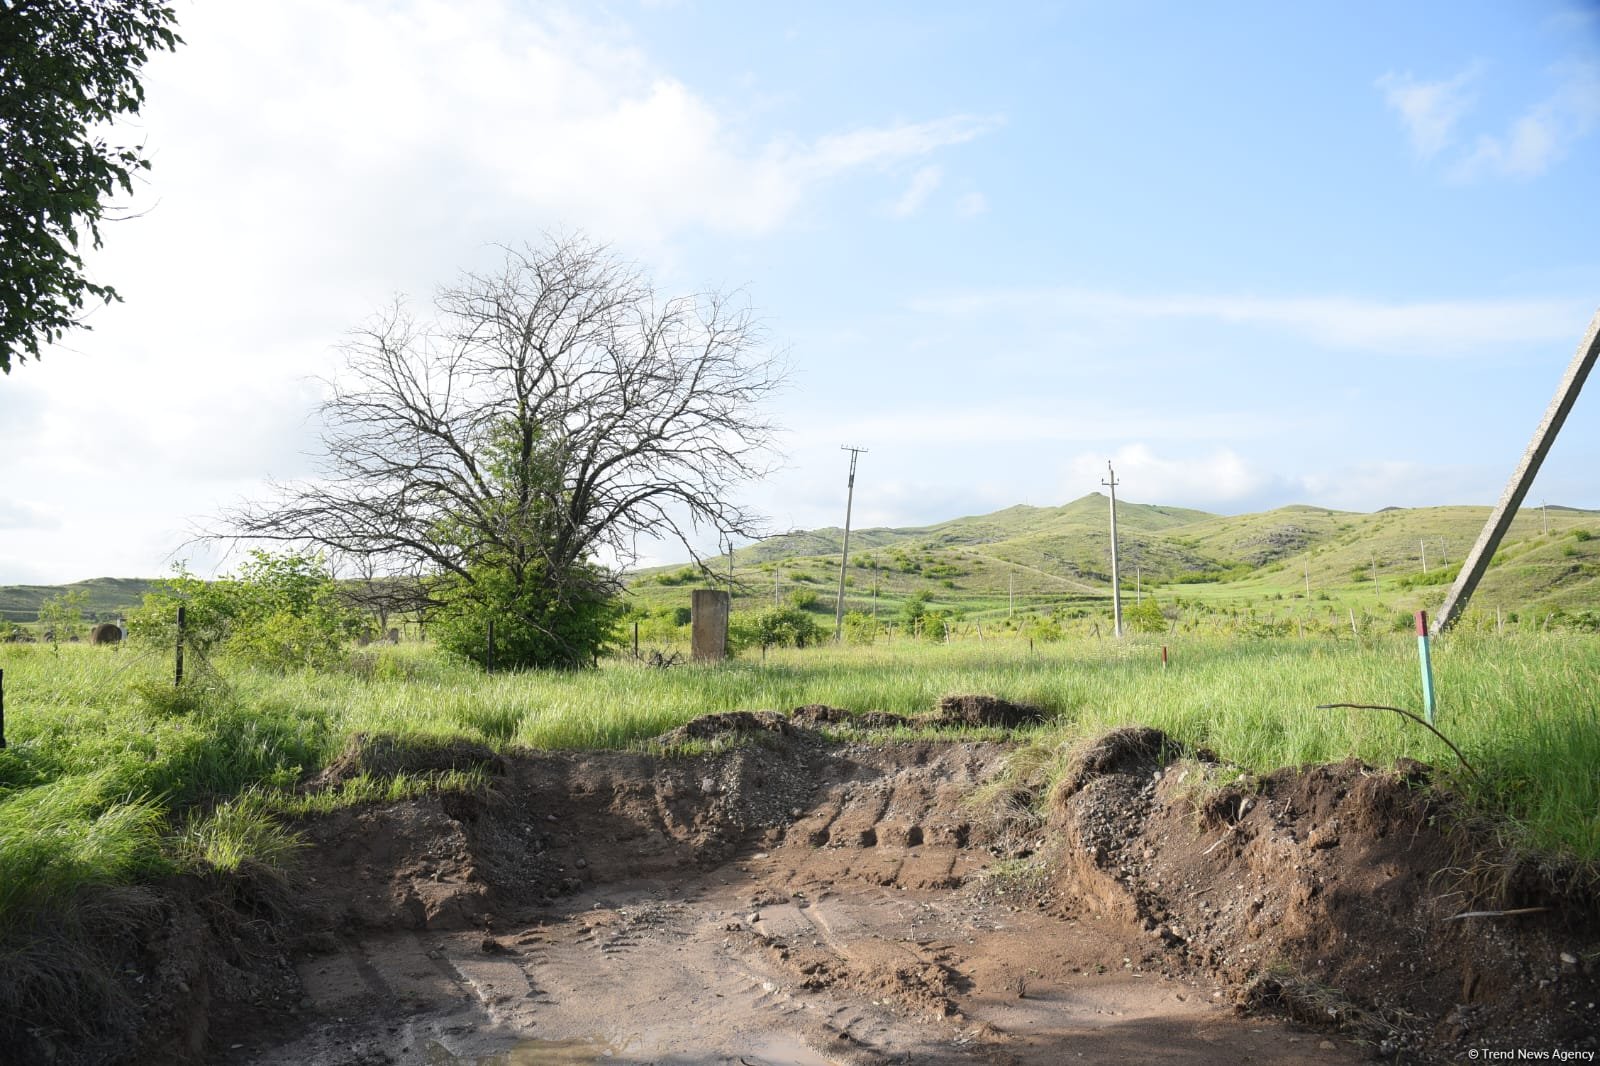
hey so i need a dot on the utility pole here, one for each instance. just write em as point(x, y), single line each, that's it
point(844, 556)
point(1375, 587)
point(1424, 545)
point(1138, 583)
point(1478, 558)
point(1307, 561)
point(1116, 573)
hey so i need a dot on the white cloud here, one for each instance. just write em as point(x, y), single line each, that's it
point(1540, 137)
point(24, 514)
point(1429, 328)
point(923, 184)
point(1429, 110)
point(1213, 479)
point(1017, 425)
point(301, 180)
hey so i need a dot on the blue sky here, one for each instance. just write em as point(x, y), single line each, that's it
point(1255, 254)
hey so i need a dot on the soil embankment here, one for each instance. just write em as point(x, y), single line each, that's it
point(788, 900)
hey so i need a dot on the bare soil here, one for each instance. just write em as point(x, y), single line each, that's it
point(790, 900)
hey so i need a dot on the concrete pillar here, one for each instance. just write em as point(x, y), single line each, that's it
point(708, 615)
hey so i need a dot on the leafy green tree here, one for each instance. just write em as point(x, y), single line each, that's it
point(280, 611)
point(68, 68)
point(61, 616)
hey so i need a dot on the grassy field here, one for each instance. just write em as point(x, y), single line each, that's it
point(112, 775)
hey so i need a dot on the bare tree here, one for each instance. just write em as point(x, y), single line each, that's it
point(548, 416)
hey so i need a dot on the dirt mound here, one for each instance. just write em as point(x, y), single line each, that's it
point(1128, 749)
point(1330, 892)
point(380, 755)
point(813, 715)
point(979, 710)
point(726, 724)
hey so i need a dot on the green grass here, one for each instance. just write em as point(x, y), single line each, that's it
point(113, 776)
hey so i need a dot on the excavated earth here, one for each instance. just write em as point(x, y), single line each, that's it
point(791, 899)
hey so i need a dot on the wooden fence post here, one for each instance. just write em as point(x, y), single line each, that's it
point(177, 659)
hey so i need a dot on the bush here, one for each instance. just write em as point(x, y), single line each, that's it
point(1146, 617)
point(802, 599)
point(1043, 628)
point(566, 625)
point(860, 627)
point(281, 611)
point(784, 627)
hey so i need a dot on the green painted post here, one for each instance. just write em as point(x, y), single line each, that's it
point(1428, 702)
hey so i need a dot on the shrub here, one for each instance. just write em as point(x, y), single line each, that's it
point(1146, 617)
point(280, 611)
point(785, 627)
point(566, 624)
point(860, 627)
point(802, 599)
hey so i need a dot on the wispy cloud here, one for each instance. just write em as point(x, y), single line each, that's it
point(972, 204)
point(923, 184)
point(1430, 111)
point(1210, 479)
point(1433, 328)
point(1540, 137)
point(1533, 141)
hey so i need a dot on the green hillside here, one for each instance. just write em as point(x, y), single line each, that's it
point(109, 598)
point(1299, 561)
point(1304, 559)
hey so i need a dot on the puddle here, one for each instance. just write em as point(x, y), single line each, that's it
point(776, 1050)
point(529, 1053)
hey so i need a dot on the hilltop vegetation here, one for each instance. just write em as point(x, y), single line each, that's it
point(1295, 564)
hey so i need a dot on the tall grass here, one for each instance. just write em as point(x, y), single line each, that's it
point(112, 774)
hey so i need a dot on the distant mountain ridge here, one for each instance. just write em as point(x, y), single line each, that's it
point(1062, 553)
point(1550, 557)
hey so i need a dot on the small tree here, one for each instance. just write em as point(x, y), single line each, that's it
point(61, 616)
point(280, 611)
point(549, 416)
point(67, 69)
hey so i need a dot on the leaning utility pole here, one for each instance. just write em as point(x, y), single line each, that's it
point(844, 556)
point(1477, 560)
point(1116, 574)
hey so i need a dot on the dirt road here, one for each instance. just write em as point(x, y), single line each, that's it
point(878, 923)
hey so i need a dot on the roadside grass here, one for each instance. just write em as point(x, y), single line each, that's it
point(113, 776)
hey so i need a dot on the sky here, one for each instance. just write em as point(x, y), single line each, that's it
point(1252, 254)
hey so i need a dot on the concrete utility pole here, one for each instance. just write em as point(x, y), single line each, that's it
point(844, 557)
point(1477, 560)
point(1116, 573)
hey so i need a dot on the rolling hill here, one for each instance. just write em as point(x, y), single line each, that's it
point(1019, 558)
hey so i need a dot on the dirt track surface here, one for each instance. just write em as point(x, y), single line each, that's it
point(861, 929)
point(787, 899)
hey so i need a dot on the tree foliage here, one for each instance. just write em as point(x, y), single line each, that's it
point(548, 416)
point(279, 611)
point(67, 68)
